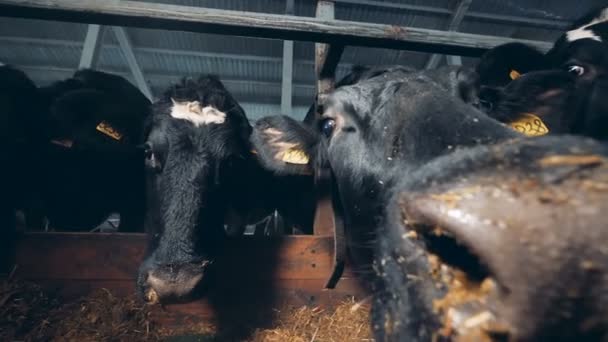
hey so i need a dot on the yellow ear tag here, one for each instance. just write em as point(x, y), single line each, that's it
point(295, 156)
point(253, 152)
point(108, 130)
point(514, 74)
point(530, 125)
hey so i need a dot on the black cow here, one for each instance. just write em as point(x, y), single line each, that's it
point(204, 174)
point(560, 92)
point(74, 154)
point(460, 82)
point(92, 161)
point(469, 229)
point(20, 131)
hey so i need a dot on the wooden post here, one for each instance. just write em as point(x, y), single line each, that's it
point(325, 68)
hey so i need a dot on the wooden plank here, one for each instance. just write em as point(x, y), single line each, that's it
point(242, 294)
point(327, 57)
point(196, 19)
point(84, 256)
point(296, 292)
point(324, 216)
point(232, 305)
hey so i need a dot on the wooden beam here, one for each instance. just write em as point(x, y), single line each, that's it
point(91, 46)
point(257, 275)
point(127, 50)
point(461, 8)
point(196, 19)
point(323, 223)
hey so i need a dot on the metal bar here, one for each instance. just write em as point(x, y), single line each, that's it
point(457, 17)
point(508, 19)
point(454, 60)
point(287, 76)
point(141, 50)
point(327, 56)
point(44, 72)
point(91, 46)
point(127, 50)
point(196, 19)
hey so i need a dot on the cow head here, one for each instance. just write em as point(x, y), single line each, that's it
point(561, 90)
point(425, 185)
point(93, 111)
point(196, 147)
point(583, 52)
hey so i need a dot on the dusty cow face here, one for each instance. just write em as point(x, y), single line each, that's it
point(453, 235)
point(195, 144)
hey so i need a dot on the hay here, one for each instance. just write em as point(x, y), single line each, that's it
point(24, 311)
point(103, 317)
point(349, 321)
point(28, 313)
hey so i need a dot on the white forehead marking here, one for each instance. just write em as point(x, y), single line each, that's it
point(193, 112)
point(583, 31)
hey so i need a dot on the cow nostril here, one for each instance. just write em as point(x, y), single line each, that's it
point(451, 252)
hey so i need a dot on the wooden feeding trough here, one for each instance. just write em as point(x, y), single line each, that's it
point(256, 275)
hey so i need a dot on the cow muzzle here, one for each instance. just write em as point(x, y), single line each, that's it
point(514, 257)
point(173, 282)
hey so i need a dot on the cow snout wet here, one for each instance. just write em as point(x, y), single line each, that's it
point(523, 259)
point(172, 282)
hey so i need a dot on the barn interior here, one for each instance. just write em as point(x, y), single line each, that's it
point(244, 43)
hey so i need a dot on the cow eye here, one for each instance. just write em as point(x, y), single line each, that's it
point(151, 161)
point(327, 126)
point(576, 69)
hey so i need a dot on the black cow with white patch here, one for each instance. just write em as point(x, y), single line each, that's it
point(465, 229)
point(204, 174)
point(562, 91)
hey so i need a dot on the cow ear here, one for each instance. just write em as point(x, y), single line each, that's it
point(467, 85)
point(528, 103)
point(283, 145)
point(507, 62)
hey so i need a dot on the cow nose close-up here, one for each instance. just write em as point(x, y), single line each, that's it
point(173, 281)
